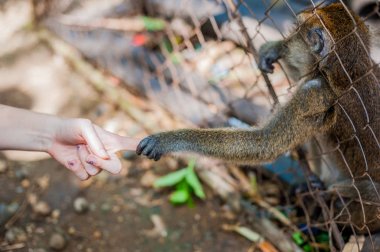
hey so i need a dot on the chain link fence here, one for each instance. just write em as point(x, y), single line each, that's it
point(199, 60)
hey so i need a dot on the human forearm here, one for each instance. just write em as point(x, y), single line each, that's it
point(25, 130)
point(78, 144)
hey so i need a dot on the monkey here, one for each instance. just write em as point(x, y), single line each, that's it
point(336, 102)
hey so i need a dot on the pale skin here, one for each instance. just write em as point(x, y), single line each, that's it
point(78, 144)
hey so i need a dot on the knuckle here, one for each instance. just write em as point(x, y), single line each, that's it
point(92, 160)
point(118, 168)
point(83, 122)
point(72, 165)
point(75, 168)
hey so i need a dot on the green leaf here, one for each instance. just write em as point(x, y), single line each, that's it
point(167, 46)
point(297, 238)
point(179, 197)
point(191, 164)
point(190, 202)
point(153, 24)
point(307, 248)
point(253, 181)
point(182, 194)
point(323, 237)
point(182, 185)
point(193, 181)
point(171, 179)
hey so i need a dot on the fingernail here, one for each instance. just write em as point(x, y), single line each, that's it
point(83, 176)
point(104, 154)
point(116, 170)
point(91, 170)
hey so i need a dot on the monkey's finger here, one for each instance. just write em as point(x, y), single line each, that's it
point(142, 145)
point(266, 64)
point(156, 156)
point(83, 154)
point(149, 147)
point(112, 165)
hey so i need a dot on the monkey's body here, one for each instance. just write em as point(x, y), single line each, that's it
point(337, 101)
point(351, 146)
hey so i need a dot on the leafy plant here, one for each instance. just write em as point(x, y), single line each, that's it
point(186, 184)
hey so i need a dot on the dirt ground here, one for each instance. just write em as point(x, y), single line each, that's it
point(119, 215)
point(122, 210)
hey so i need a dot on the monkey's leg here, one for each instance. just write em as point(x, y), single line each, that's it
point(359, 204)
point(371, 243)
point(309, 112)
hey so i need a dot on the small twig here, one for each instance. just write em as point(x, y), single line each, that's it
point(276, 213)
point(244, 182)
point(269, 230)
point(159, 225)
point(17, 215)
point(325, 211)
point(12, 247)
point(133, 24)
point(252, 236)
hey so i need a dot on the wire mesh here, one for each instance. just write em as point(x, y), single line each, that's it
point(199, 60)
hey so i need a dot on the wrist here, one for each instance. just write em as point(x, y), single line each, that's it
point(48, 135)
point(25, 130)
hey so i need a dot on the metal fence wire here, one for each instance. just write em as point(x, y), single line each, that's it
point(199, 60)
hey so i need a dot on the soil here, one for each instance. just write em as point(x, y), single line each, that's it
point(119, 215)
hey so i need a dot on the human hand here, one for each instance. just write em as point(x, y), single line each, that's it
point(86, 149)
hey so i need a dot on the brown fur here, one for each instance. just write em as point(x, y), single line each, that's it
point(339, 107)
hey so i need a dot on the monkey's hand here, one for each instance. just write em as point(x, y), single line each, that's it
point(154, 146)
point(270, 53)
point(151, 147)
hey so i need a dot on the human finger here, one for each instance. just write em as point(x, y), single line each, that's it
point(76, 166)
point(113, 165)
point(116, 142)
point(126, 143)
point(83, 154)
point(92, 139)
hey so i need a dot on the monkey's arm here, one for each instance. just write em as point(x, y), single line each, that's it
point(306, 114)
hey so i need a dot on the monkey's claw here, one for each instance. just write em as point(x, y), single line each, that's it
point(149, 147)
point(266, 63)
